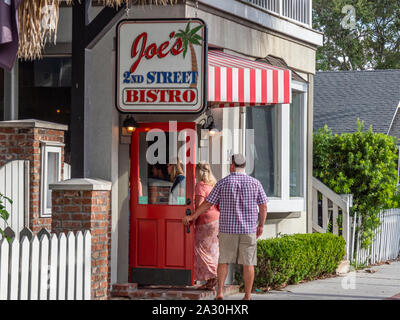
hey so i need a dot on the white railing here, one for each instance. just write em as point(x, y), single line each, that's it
point(46, 267)
point(297, 10)
point(327, 207)
point(386, 243)
point(14, 183)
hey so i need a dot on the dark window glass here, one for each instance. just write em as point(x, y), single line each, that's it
point(45, 92)
point(265, 147)
point(297, 145)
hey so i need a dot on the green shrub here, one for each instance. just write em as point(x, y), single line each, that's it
point(290, 259)
point(363, 163)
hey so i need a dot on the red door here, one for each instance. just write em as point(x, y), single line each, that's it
point(161, 248)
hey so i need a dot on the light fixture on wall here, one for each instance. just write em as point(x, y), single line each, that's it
point(210, 126)
point(130, 124)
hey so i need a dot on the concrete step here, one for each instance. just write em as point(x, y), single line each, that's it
point(134, 292)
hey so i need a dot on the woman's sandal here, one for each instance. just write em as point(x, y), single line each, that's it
point(211, 283)
point(203, 287)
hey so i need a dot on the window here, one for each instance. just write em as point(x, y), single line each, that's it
point(45, 91)
point(51, 173)
point(161, 182)
point(1, 94)
point(279, 148)
point(297, 145)
point(266, 146)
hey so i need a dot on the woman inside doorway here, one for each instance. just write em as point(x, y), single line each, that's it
point(206, 248)
point(177, 177)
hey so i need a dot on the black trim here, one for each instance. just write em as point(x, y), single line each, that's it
point(205, 79)
point(100, 22)
point(83, 34)
point(77, 125)
point(153, 276)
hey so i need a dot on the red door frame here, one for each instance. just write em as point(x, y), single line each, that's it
point(153, 211)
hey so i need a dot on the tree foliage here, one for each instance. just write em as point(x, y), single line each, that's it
point(374, 42)
point(362, 163)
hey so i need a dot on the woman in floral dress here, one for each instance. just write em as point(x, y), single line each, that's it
point(206, 249)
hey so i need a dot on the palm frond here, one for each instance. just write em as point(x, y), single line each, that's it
point(194, 30)
point(185, 45)
point(194, 41)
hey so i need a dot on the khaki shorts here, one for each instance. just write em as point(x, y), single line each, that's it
point(238, 248)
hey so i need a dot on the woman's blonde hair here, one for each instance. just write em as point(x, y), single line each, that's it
point(177, 169)
point(204, 174)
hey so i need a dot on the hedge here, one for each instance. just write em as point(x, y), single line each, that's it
point(290, 259)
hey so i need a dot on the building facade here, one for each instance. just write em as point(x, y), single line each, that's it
point(275, 34)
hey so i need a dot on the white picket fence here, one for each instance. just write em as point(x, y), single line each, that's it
point(14, 183)
point(46, 267)
point(386, 243)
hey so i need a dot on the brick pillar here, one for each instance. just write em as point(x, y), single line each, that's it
point(22, 140)
point(85, 204)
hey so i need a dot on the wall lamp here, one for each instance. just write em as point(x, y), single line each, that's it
point(210, 126)
point(130, 124)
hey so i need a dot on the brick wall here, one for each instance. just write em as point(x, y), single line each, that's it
point(75, 210)
point(21, 140)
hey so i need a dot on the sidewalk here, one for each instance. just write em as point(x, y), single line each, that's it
point(360, 285)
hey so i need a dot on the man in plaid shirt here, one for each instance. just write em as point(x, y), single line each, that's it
point(240, 224)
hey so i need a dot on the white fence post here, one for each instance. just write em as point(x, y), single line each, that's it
point(87, 274)
point(53, 267)
point(34, 281)
point(70, 266)
point(44, 267)
point(4, 249)
point(25, 248)
point(79, 265)
point(62, 266)
point(14, 269)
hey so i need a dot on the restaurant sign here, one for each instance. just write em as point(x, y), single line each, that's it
point(161, 66)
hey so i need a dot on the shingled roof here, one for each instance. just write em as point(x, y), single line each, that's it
point(340, 97)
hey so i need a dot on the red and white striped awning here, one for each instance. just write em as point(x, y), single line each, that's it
point(236, 81)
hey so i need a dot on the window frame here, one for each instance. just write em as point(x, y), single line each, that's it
point(286, 203)
point(278, 151)
point(47, 147)
point(301, 88)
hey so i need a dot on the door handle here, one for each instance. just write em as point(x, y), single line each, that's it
point(188, 213)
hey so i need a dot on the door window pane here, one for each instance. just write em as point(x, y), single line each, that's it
point(265, 147)
point(297, 145)
point(162, 169)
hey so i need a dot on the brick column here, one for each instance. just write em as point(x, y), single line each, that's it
point(22, 140)
point(85, 204)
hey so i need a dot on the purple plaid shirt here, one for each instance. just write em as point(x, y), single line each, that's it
point(238, 196)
